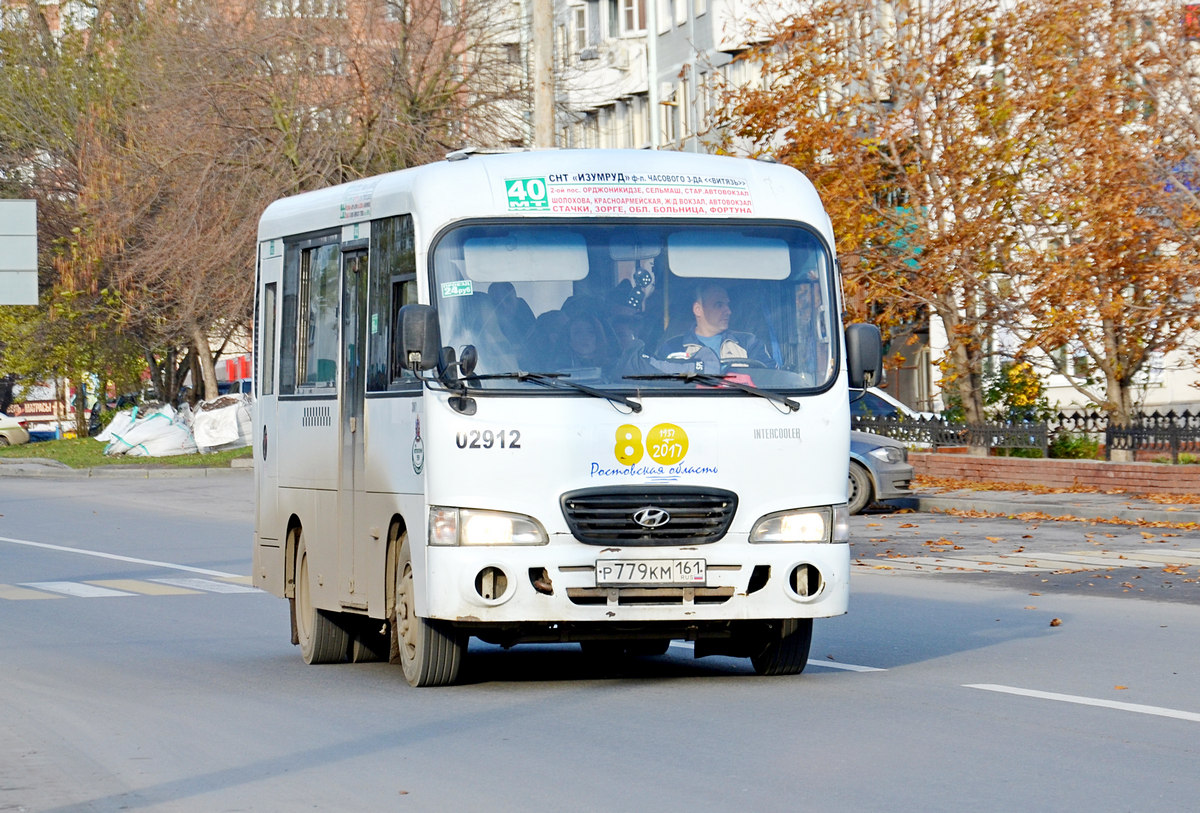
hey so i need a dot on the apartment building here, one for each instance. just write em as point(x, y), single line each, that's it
point(635, 73)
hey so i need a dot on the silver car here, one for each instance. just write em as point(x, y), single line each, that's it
point(879, 470)
point(12, 431)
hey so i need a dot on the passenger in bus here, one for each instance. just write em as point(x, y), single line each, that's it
point(513, 313)
point(546, 349)
point(711, 311)
point(586, 343)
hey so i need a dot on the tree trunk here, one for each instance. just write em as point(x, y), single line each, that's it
point(208, 371)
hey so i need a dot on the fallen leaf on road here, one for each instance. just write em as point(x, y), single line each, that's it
point(1119, 688)
point(1056, 622)
point(1030, 607)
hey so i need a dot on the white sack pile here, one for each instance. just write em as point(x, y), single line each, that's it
point(158, 430)
point(223, 424)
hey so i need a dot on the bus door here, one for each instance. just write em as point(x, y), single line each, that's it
point(266, 450)
point(350, 475)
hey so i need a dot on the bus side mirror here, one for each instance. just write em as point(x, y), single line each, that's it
point(420, 337)
point(864, 355)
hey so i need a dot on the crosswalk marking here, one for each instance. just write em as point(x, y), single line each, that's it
point(145, 588)
point(78, 589)
point(208, 585)
point(14, 593)
point(118, 588)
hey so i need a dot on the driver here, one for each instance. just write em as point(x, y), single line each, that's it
point(711, 309)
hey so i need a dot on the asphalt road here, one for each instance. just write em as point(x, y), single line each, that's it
point(941, 690)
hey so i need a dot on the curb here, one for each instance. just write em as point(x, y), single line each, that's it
point(52, 468)
point(1012, 507)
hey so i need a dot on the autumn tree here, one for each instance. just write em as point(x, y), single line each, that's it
point(893, 111)
point(1109, 257)
point(162, 131)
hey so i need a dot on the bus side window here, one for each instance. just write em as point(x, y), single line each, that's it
point(393, 285)
point(308, 342)
point(266, 349)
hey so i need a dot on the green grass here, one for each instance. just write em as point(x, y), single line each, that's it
point(86, 453)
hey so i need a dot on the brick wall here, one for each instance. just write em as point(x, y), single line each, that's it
point(1134, 478)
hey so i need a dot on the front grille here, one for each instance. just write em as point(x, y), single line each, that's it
point(605, 516)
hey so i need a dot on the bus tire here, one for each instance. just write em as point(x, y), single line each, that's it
point(322, 639)
point(860, 492)
point(786, 652)
point(430, 652)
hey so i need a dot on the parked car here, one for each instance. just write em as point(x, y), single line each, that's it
point(12, 431)
point(879, 470)
point(876, 403)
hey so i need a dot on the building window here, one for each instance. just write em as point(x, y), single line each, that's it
point(633, 16)
point(579, 28)
point(700, 7)
point(680, 11)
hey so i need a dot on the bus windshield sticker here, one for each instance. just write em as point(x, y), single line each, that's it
point(626, 193)
point(460, 287)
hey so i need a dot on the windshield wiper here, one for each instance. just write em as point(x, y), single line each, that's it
point(718, 381)
point(554, 381)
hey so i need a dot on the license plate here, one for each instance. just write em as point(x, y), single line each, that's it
point(650, 571)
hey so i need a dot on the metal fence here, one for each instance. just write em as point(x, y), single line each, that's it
point(1171, 433)
point(935, 433)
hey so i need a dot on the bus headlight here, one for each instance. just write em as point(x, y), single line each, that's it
point(467, 526)
point(812, 525)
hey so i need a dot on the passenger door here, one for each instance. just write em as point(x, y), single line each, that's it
point(350, 477)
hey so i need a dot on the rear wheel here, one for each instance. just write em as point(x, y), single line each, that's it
point(322, 639)
point(859, 494)
point(430, 652)
point(786, 651)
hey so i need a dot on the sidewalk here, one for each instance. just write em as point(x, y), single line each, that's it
point(41, 467)
point(1080, 505)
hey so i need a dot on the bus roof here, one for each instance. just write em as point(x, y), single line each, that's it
point(559, 183)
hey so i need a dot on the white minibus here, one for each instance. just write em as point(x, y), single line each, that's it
point(592, 396)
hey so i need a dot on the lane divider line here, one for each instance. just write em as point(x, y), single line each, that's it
point(849, 667)
point(117, 558)
point(1088, 701)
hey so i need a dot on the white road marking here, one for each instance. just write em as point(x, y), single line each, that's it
point(849, 667)
point(115, 557)
point(1088, 701)
point(78, 589)
point(208, 585)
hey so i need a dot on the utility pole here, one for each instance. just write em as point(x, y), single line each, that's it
point(543, 73)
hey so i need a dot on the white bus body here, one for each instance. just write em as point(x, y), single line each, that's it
point(528, 483)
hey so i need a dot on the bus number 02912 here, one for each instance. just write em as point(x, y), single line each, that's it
point(487, 439)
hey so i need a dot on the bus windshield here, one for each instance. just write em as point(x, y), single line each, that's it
point(639, 304)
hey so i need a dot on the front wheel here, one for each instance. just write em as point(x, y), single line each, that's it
point(786, 650)
point(430, 652)
point(859, 491)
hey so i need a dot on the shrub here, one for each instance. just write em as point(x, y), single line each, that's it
point(1072, 446)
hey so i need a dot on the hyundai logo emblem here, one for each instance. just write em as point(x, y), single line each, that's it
point(651, 517)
